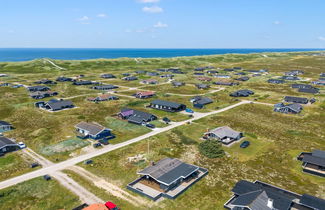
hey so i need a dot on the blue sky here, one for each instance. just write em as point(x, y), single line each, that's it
point(162, 23)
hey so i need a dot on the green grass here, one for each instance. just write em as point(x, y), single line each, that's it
point(13, 164)
point(268, 158)
point(37, 194)
point(124, 130)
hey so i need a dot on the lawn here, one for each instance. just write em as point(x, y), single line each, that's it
point(37, 194)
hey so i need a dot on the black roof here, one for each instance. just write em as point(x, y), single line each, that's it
point(105, 87)
point(5, 141)
point(308, 90)
point(313, 202)
point(38, 88)
point(167, 103)
point(84, 82)
point(301, 86)
point(4, 123)
point(296, 99)
point(57, 105)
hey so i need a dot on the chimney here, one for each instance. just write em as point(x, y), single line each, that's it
point(270, 203)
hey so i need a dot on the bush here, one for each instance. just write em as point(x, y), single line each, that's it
point(211, 149)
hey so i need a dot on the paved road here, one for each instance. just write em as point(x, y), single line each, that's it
point(70, 162)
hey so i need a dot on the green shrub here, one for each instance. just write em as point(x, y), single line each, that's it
point(211, 149)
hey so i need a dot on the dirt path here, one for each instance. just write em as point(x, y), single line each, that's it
point(109, 187)
point(53, 64)
point(84, 195)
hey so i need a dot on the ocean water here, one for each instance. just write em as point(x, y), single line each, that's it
point(25, 54)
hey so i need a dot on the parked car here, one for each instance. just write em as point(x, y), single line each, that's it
point(47, 177)
point(87, 162)
point(96, 145)
point(244, 144)
point(111, 206)
point(104, 141)
point(34, 165)
point(150, 125)
point(166, 120)
point(21, 145)
point(189, 110)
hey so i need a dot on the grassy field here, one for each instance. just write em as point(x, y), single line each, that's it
point(272, 150)
point(37, 194)
point(14, 164)
point(275, 138)
point(100, 192)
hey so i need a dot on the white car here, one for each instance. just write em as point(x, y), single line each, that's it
point(21, 145)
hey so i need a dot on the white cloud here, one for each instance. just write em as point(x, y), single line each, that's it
point(321, 38)
point(128, 31)
point(83, 18)
point(148, 1)
point(160, 25)
point(102, 15)
point(276, 22)
point(153, 9)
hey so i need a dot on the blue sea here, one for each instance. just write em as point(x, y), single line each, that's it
point(26, 54)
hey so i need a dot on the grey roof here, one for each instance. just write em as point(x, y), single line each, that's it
point(169, 170)
point(92, 128)
point(313, 202)
point(204, 101)
point(138, 116)
point(5, 142)
point(279, 81)
point(319, 153)
point(295, 107)
point(136, 119)
point(314, 159)
point(4, 123)
point(56, 105)
point(282, 199)
point(256, 200)
point(224, 132)
point(166, 103)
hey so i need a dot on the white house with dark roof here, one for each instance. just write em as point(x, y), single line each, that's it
point(167, 106)
point(7, 145)
point(262, 196)
point(5, 126)
point(55, 105)
point(168, 177)
point(288, 109)
point(92, 130)
point(224, 134)
point(314, 162)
